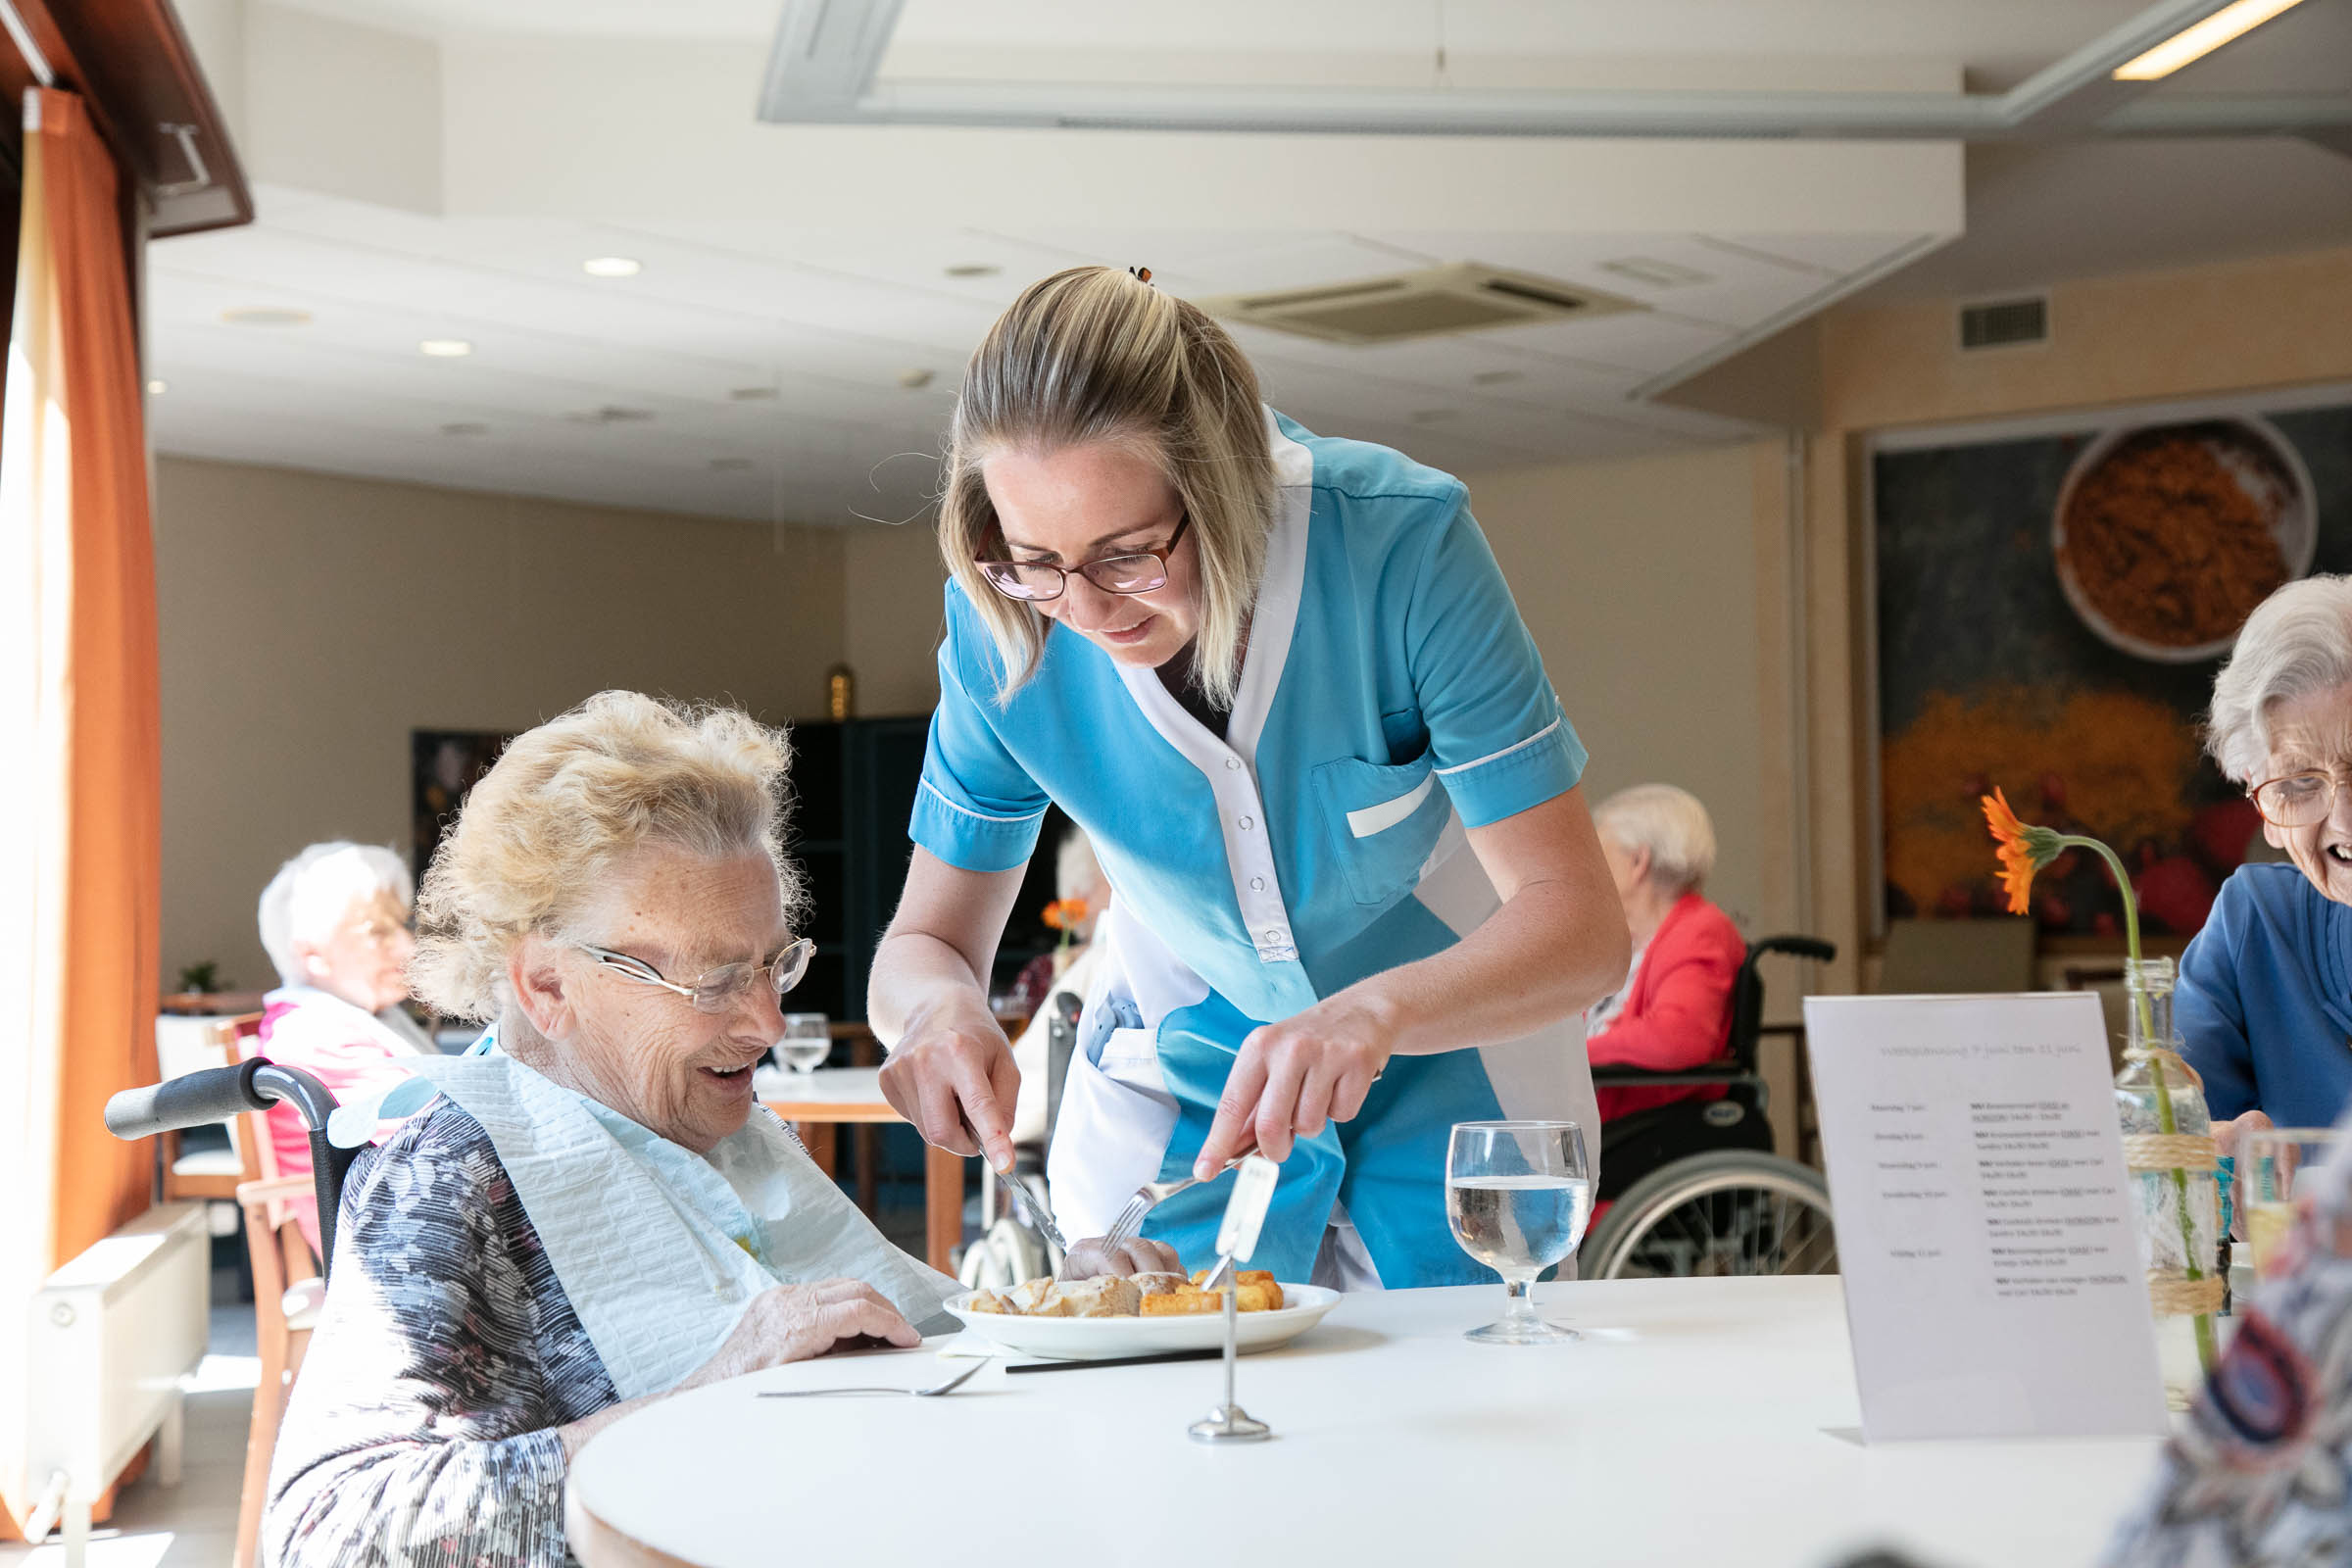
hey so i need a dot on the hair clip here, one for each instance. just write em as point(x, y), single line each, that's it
point(1142, 274)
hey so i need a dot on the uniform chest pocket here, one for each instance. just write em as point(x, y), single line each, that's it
point(1382, 822)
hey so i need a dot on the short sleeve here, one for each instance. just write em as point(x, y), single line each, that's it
point(977, 808)
point(2208, 1009)
point(1495, 729)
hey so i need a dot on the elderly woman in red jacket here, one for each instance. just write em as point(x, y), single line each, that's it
point(1674, 1010)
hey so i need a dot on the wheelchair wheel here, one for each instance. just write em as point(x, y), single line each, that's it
point(1730, 1212)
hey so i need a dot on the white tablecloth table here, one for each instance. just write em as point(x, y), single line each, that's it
point(1706, 1422)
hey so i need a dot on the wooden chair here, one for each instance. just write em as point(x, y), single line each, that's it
point(201, 1173)
point(288, 1294)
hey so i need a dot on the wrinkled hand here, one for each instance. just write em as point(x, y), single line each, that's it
point(953, 1077)
point(798, 1322)
point(1094, 1255)
point(1292, 1077)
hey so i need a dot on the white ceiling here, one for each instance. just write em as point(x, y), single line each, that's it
point(753, 369)
point(820, 326)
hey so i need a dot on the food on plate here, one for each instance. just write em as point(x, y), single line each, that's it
point(1133, 1295)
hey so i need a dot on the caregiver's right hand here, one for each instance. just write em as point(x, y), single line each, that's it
point(953, 1076)
point(799, 1322)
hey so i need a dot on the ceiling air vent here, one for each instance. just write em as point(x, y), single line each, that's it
point(1463, 297)
point(2005, 323)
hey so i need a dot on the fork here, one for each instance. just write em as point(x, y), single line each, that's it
point(949, 1387)
point(1152, 1193)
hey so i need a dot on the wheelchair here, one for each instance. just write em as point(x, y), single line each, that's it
point(1694, 1186)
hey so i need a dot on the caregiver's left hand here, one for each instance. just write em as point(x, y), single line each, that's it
point(1293, 1076)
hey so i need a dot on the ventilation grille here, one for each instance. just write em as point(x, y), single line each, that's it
point(1463, 297)
point(2005, 323)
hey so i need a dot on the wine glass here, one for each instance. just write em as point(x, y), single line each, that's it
point(1518, 1194)
point(808, 1041)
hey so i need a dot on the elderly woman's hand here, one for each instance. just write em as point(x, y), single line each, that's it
point(798, 1322)
point(1097, 1256)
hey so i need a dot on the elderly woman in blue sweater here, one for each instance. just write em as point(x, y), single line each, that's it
point(2265, 999)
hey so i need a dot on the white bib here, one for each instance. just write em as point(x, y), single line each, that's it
point(660, 1249)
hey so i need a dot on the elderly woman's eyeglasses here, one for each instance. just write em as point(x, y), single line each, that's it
point(721, 988)
point(1134, 572)
point(2297, 799)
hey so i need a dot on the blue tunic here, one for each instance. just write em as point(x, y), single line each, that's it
point(2265, 999)
point(1390, 698)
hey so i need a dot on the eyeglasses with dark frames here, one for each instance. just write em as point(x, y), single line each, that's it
point(1133, 571)
point(721, 988)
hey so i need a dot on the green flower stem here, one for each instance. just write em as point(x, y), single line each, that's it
point(2165, 1121)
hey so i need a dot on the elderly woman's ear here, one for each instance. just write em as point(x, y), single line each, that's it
point(540, 988)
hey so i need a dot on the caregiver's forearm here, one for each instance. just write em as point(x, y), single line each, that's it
point(917, 977)
point(1549, 952)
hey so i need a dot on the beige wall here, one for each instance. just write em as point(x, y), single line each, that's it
point(892, 609)
point(309, 624)
point(1639, 581)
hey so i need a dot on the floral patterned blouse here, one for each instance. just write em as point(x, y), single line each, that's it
point(423, 1430)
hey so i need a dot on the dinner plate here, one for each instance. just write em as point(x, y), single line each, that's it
point(1094, 1339)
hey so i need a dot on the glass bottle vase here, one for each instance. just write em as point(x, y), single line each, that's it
point(2177, 1186)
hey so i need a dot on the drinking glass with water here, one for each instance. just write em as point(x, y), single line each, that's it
point(808, 1041)
point(1518, 1194)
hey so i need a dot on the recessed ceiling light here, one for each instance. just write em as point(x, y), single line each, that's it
point(754, 394)
point(911, 379)
point(445, 348)
point(266, 316)
point(610, 413)
point(465, 428)
point(731, 464)
point(1496, 377)
point(974, 269)
point(1658, 274)
point(611, 267)
point(2193, 43)
point(158, 387)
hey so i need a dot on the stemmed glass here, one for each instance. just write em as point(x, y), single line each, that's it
point(1518, 1194)
point(808, 1041)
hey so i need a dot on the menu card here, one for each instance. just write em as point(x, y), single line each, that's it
point(1987, 1236)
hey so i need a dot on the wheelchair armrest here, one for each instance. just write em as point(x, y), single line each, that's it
point(1634, 1077)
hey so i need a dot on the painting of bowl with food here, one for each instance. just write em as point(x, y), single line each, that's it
point(2053, 601)
point(2167, 536)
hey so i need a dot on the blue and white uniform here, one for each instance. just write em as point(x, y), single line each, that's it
point(1391, 696)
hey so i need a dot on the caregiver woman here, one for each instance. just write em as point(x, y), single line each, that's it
point(1278, 680)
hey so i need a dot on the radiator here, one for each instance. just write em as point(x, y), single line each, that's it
point(111, 1336)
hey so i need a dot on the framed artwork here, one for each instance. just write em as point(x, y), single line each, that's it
point(2052, 600)
point(444, 765)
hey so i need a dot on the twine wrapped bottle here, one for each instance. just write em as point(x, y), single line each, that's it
point(2169, 1150)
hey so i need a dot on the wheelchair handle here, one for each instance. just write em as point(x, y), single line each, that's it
point(1798, 948)
point(194, 1099)
point(217, 1095)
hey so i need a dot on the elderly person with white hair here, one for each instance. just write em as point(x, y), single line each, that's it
point(335, 922)
point(1674, 1011)
point(596, 1215)
point(2265, 999)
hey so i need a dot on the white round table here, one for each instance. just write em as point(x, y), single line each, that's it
point(1701, 1421)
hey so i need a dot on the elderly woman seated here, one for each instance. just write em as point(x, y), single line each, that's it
point(335, 922)
point(2265, 999)
point(595, 1214)
point(1674, 1010)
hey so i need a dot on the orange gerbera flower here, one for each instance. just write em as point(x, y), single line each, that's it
point(1066, 914)
point(2024, 849)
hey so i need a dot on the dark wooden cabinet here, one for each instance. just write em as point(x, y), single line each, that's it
point(855, 784)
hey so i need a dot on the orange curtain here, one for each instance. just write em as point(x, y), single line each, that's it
point(79, 858)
